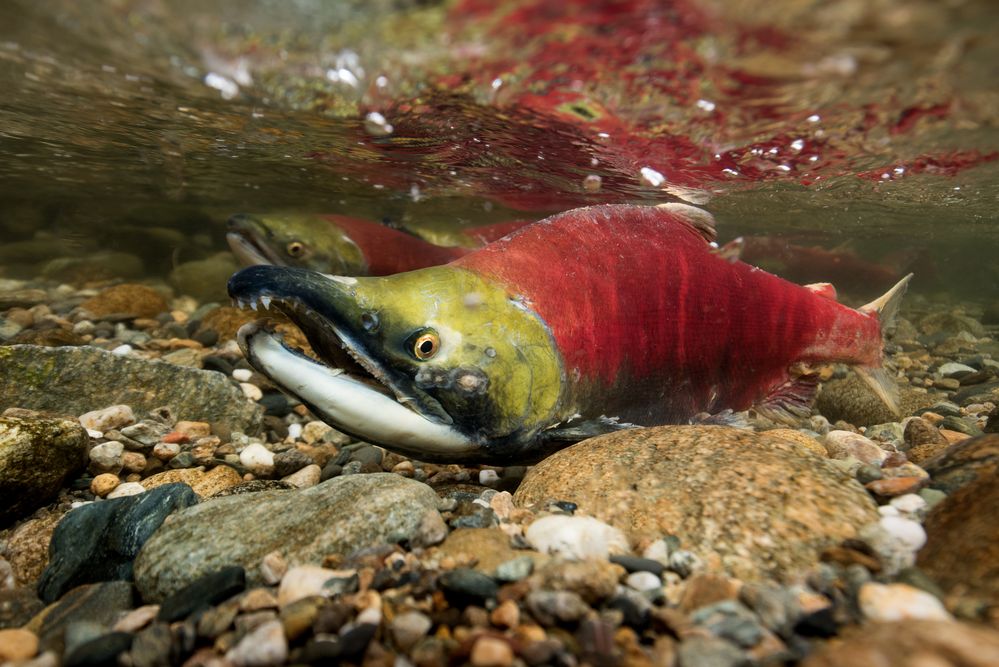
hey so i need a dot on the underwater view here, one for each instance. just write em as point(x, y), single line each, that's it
point(415, 333)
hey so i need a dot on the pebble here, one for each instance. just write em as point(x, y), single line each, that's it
point(294, 431)
point(137, 619)
point(257, 459)
point(408, 628)
point(551, 607)
point(104, 484)
point(465, 583)
point(242, 374)
point(515, 569)
point(17, 644)
point(488, 651)
point(506, 615)
point(576, 537)
point(106, 457)
point(165, 451)
point(909, 503)
point(314, 431)
point(306, 477)
point(203, 592)
point(896, 602)
point(273, 567)
point(643, 581)
point(304, 581)
point(122, 350)
point(127, 489)
point(251, 391)
point(265, 645)
point(114, 417)
point(843, 444)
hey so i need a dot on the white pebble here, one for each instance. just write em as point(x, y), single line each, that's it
point(265, 645)
point(295, 431)
point(109, 418)
point(488, 477)
point(888, 510)
point(658, 551)
point(303, 581)
point(843, 444)
point(251, 391)
point(643, 581)
point(910, 503)
point(122, 350)
point(242, 374)
point(372, 615)
point(95, 434)
point(908, 532)
point(127, 489)
point(576, 537)
point(897, 602)
point(273, 567)
point(258, 459)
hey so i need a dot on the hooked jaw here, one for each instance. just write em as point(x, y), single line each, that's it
point(349, 389)
point(244, 237)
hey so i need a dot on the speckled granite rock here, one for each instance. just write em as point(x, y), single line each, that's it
point(36, 457)
point(337, 516)
point(99, 541)
point(962, 541)
point(81, 379)
point(964, 463)
point(851, 400)
point(750, 505)
point(127, 300)
point(936, 643)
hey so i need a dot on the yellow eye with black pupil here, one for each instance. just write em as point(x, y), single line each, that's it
point(426, 346)
point(295, 248)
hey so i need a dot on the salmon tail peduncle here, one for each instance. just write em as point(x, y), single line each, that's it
point(885, 309)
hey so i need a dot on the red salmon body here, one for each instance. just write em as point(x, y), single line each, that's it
point(387, 251)
point(654, 327)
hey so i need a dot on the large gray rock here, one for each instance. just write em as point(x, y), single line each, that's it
point(99, 541)
point(336, 517)
point(81, 379)
point(754, 506)
point(36, 457)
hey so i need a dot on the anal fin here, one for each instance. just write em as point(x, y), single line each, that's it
point(792, 401)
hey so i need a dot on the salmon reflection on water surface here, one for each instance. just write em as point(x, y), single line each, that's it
point(585, 322)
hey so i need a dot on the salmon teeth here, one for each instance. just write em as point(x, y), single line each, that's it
point(266, 302)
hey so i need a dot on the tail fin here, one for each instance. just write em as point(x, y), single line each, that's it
point(885, 308)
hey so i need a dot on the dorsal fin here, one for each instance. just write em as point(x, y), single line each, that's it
point(702, 221)
point(825, 290)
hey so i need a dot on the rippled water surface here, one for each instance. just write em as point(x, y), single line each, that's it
point(868, 127)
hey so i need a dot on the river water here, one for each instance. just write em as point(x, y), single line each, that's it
point(868, 127)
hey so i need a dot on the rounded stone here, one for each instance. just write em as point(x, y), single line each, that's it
point(408, 628)
point(128, 300)
point(964, 462)
point(962, 543)
point(37, 456)
point(116, 416)
point(490, 651)
point(203, 483)
point(897, 602)
point(106, 457)
point(104, 484)
point(751, 505)
point(17, 644)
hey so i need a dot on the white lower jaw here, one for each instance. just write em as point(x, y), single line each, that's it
point(348, 403)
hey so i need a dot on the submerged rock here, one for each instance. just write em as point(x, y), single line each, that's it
point(336, 517)
point(126, 301)
point(205, 279)
point(99, 541)
point(751, 505)
point(853, 401)
point(37, 456)
point(937, 643)
point(81, 379)
point(964, 463)
point(94, 603)
point(962, 545)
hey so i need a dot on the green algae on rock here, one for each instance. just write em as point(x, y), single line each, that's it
point(37, 456)
point(80, 379)
point(750, 505)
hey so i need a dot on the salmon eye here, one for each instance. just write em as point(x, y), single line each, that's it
point(426, 345)
point(295, 249)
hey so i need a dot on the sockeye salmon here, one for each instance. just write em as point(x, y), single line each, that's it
point(342, 245)
point(591, 320)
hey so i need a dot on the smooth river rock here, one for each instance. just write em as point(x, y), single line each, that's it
point(99, 541)
point(75, 380)
point(338, 516)
point(36, 457)
point(964, 463)
point(962, 542)
point(910, 643)
point(751, 505)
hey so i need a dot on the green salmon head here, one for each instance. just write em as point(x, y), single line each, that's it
point(440, 363)
point(306, 241)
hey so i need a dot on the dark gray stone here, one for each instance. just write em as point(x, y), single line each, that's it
point(37, 456)
point(339, 516)
point(152, 647)
point(467, 583)
point(100, 652)
point(75, 380)
point(97, 603)
point(290, 461)
point(637, 564)
point(99, 541)
point(203, 592)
